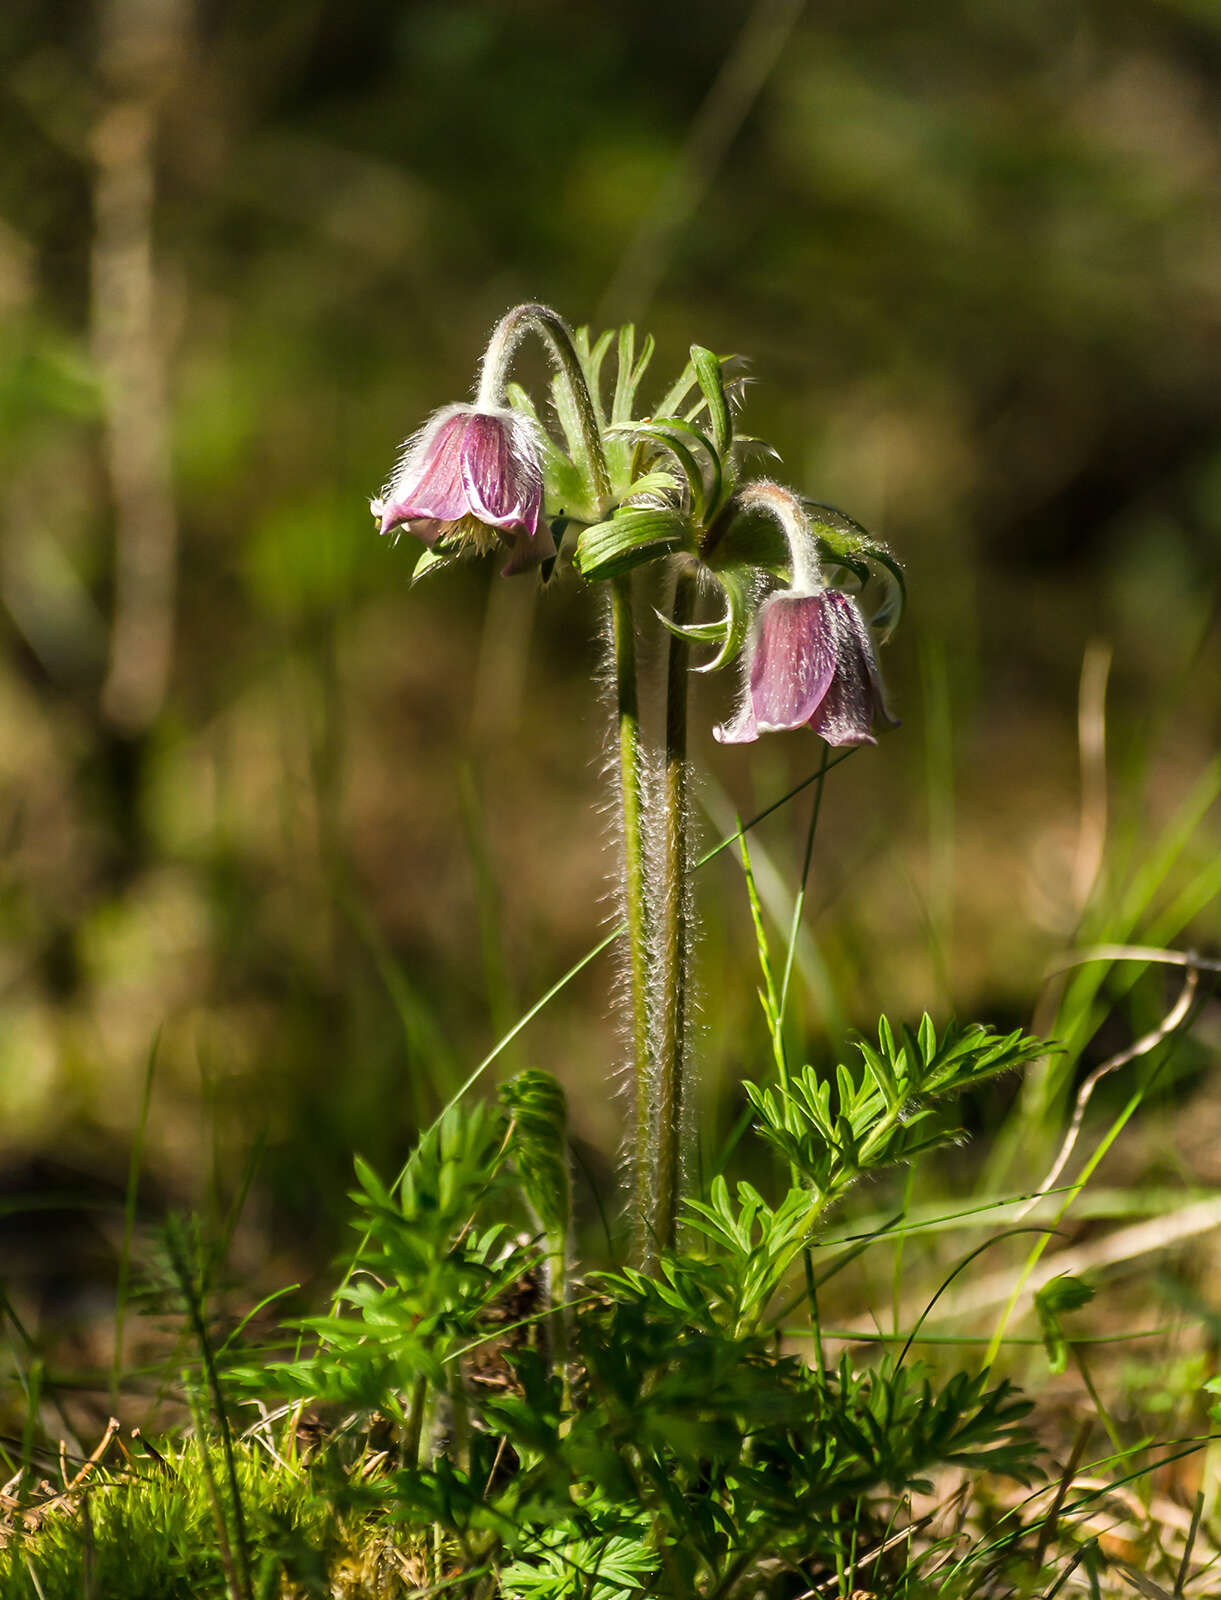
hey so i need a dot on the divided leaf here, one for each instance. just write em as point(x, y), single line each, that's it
point(537, 1145)
point(890, 1111)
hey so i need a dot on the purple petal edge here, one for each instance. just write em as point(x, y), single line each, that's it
point(741, 729)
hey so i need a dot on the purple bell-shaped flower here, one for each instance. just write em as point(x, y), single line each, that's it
point(811, 665)
point(471, 477)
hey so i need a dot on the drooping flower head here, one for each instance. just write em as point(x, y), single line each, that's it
point(810, 661)
point(471, 478)
point(812, 665)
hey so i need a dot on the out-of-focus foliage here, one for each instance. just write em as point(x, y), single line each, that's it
point(976, 249)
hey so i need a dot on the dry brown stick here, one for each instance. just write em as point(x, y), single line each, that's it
point(1050, 1523)
point(112, 1427)
point(876, 1554)
point(1124, 1244)
point(91, 1463)
point(1153, 954)
point(1140, 1047)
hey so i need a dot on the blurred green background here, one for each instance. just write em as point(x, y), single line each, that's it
point(318, 837)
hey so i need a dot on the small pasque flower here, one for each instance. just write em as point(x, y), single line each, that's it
point(471, 478)
point(812, 665)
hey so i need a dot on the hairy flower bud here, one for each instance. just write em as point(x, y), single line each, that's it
point(471, 479)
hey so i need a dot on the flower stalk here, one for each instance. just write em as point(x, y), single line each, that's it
point(643, 490)
point(497, 359)
point(673, 952)
point(554, 332)
point(634, 887)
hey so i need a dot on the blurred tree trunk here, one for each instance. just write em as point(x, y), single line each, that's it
point(140, 49)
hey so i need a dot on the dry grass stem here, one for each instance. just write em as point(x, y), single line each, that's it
point(1173, 1019)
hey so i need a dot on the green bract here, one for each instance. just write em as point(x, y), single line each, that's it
point(630, 539)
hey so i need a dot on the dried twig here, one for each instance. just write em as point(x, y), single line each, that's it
point(1050, 1526)
point(33, 1515)
point(1151, 954)
point(1147, 1041)
point(1124, 1244)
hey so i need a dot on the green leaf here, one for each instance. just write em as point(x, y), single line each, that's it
point(630, 539)
point(625, 388)
point(613, 1568)
point(538, 1145)
point(567, 490)
point(676, 393)
point(927, 1038)
point(662, 433)
point(696, 632)
point(428, 561)
point(843, 539)
point(882, 1073)
point(661, 482)
point(372, 1185)
point(1051, 1302)
point(568, 415)
point(708, 375)
point(713, 494)
point(752, 541)
point(728, 631)
point(894, 602)
point(737, 585)
point(591, 365)
point(641, 367)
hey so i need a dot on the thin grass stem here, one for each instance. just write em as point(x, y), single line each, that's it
point(415, 1421)
point(224, 1547)
point(807, 1257)
point(799, 903)
point(129, 1221)
point(195, 1316)
point(1070, 1193)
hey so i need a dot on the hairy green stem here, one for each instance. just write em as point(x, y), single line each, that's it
point(635, 903)
point(557, 1295)
point(554, 332)
point(782, 504)
point(671, 989)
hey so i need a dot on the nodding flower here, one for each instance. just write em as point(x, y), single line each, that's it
point(471, 479)
point(811, 665)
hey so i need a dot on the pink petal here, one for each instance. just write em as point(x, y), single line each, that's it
point(794, 659)
point(846, 712)
point(855, 696)
point(428, 484)
point(500, 474)
point(742, 729)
